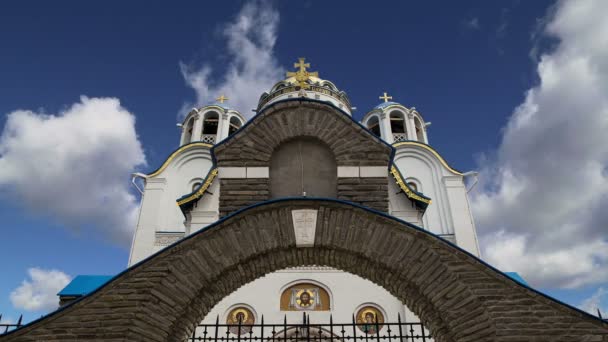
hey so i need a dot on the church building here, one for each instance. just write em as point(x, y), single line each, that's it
point(336, 158)
point(312, 225)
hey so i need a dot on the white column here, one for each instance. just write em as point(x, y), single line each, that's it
point(182, 138)
point(222, 128)
point(385, 128)
point(197, 130)
point(411, 127)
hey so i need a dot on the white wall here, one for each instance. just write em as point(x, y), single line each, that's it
point(449, 212)
point(347, 291)
point(159, 210)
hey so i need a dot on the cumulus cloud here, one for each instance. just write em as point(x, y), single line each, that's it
point(594, 303)
point(251, 68)
point(39, 292)
point(74, 166)
point(541, 206)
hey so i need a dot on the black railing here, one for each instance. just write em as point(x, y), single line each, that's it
point(6, 327)
point(312, 332)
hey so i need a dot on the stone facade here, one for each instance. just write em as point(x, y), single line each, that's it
point(351, 143)
point(371, 192)
point(457, 296)
point(238, 193)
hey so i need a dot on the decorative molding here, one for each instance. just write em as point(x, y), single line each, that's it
point(348, 172)
point(408, 192)
point(175, 154)
point(164, 239)
point(201, 191)
point(372, 171)
point(430, 149)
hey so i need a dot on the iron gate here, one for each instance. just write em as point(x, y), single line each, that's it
point(312, 332)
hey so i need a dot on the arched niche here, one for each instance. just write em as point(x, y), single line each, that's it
point(210, 126)
point(305, 296)
point(398, 126)
point(303, 167)
point(235, 124)
point(373, 124)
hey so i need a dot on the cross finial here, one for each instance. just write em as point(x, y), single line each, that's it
point(301, 64)
point(222, 98)
point(302, 75)
point(386, 97)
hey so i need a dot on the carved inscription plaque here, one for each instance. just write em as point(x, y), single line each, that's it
point(304, 225)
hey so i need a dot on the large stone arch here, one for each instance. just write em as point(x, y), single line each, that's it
point(456, 295)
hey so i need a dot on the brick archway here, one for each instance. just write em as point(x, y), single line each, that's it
point(458, 297)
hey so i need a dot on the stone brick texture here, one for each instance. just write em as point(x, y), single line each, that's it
point(238, 193)
point(351, 144)
point(457, 297)
point(369, 191)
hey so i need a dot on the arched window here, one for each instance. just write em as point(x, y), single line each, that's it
point(235, 124)
point(398, 126)
point(374, 125)
point(210, 127)
point(303, 167)
point(188, 138)
point(418, 126)
point(305, 297)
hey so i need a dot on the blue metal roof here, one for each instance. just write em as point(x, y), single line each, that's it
point(84, 284)
point(515, 276)
point(385, 104)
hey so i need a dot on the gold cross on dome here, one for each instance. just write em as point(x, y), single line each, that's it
point(301, 64)
point(222, 98)
point(302, 75)
point(386, 97)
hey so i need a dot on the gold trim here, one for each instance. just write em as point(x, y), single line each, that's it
point(430, 149)
point(174, 154)
point(202, 190)
point(408, 192)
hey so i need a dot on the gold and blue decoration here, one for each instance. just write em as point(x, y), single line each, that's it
point(240, 315)
point(305, 298)
point(369, 319)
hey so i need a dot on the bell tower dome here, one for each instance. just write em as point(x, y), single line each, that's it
point(393, 122)
point(211, 123)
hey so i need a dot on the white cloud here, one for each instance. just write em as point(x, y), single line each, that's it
point(74, 166)
point(593, 303)
point(251, 68)
point(541, 206)
point(472, 23)
point(39, 293)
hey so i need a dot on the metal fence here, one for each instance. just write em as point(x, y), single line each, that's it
point(312, 332)
point(6, 327)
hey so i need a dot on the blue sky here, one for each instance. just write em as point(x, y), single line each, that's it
point(498, 80)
